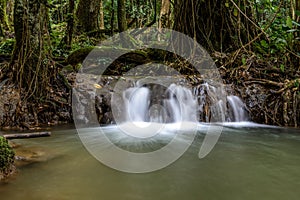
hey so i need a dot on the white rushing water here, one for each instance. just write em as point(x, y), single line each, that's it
point(180, 104)
point(137, 103)
point(237, 108)
point(148, 112)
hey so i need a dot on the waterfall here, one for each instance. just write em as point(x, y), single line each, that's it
point(136, 103)
point(178, 103)
point(181, 103)
point(237, 109)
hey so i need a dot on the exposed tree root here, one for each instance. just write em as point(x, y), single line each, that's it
point(272, 94)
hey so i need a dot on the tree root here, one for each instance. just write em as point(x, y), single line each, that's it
point(271, 94)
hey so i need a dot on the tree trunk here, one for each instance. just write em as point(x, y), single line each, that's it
point(27, 135)
point(112, 19)
point(101, 16)
point(164, 17)
point(216, 24)
point(122, 23)
point(30, 60)
point(70, 25)
point(297, 18)
point(88, 12)
point(3, 17)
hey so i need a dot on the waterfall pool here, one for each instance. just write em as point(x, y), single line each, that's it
point(248, 162)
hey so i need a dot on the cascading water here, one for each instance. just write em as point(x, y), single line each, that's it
point(181, 103)
point(238, 111)
point(137, 103)
point(178, 104)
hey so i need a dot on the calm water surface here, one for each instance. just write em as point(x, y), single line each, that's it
point(246, 163)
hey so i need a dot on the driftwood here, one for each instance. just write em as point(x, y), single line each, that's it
point(27, 135)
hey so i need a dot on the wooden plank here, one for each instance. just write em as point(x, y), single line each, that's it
point(27, 135)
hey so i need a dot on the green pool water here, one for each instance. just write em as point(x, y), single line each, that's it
point(246, 163)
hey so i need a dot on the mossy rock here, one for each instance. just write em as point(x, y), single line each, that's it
point(7, 156)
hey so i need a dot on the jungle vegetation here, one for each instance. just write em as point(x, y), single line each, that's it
point(255, 44)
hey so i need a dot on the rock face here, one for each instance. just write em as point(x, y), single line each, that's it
point(99, 98)
point(102, 97)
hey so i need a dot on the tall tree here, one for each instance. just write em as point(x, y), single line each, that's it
point(30, 60)
point(101, 16)
point(88, 12)
point(218, 25)
point(165, 12)
point(70, 25)
point(3, 17)
point(112, 17)
point(122, 23)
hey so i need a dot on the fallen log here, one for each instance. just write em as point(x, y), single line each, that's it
point(27, 135)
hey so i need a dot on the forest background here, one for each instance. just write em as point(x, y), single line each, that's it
point(254, 43)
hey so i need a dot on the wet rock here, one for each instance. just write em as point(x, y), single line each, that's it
point(28, 155)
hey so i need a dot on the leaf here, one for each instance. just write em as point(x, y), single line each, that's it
point(297, 83)
point(280, 40)
point(244, 61)
point(292, 30)
point(235, 12)
point(264, 44)
point(273, 51)
point(289, 22)
point(227, 4)
point(282, 67)
point(297, 12)
point(297, 24)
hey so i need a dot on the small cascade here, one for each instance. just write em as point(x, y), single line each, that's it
point(176, 105)
point(205, 103)
point(181, 103)
point(237, 109)
point(211, 102)
point(216, 106)
point(137, 103)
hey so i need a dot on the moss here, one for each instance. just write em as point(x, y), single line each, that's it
point(7, 155)
point(78, 56)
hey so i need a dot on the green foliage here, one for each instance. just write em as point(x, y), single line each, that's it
point(141, 11)
point(107, 11)
point(58, 25)
point(58, 14)
point(282, 67)
point(6, 155)
point(57, 33)
point(281, 38)
point(280, 32)
point(244, 61)
point(297, 83)
point(7, 46)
